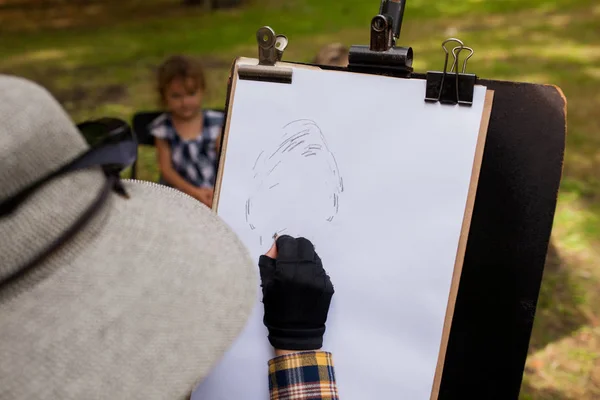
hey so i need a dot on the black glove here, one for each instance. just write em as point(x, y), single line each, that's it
point(296, 295)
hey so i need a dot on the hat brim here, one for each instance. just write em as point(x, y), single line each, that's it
point(143, 311)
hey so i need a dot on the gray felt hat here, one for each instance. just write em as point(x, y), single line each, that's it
point(139, 304)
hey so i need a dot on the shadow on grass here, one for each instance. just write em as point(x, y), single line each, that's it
point(558, 311)
point(33, 15)
point(530, 393)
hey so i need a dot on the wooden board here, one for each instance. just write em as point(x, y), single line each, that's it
point(462, 246)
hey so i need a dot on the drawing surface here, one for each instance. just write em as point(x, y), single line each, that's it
point(378, 180)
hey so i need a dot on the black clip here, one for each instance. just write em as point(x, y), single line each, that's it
point(382, 54)
point(270, 51)
point(452, 87)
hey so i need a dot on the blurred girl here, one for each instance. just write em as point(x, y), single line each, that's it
point(187, 137)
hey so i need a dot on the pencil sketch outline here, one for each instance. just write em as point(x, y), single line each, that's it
point(301, 138)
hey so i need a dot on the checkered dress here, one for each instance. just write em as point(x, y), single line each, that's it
point(195, 159)
point(303, 376)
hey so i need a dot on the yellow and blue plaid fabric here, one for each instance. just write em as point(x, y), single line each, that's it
point(303, 376)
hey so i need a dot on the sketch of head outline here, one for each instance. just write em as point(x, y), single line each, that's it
point(302, 139)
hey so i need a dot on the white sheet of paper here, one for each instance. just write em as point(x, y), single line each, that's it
point(378, 180)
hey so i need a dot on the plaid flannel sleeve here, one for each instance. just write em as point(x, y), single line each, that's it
point(303, 376)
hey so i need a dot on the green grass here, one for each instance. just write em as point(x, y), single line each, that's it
point(99, 59)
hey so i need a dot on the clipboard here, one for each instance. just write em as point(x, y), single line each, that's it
point(250, 69)
point(525, 146)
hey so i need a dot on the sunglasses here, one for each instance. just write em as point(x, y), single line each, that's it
point(113, 146)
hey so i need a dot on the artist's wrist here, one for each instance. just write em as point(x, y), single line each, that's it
point(299, 339)
point(280, 352)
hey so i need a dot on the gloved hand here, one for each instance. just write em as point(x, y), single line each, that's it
point(296, 294)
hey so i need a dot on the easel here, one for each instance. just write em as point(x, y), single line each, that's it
point(513, 212)
point(511, 223)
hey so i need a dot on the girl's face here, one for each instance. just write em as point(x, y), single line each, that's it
point(183, 98)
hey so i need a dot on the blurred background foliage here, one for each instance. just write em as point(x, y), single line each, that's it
point(98, 58)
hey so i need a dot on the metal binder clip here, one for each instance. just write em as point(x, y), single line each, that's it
point(270, 51)
point(451, 87)
point(383, 54)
